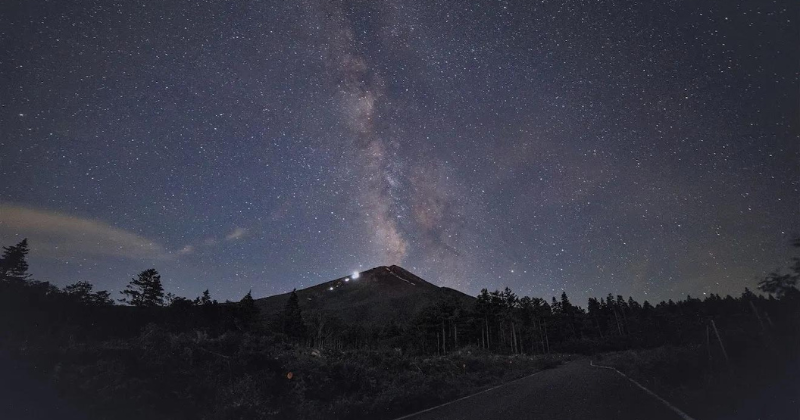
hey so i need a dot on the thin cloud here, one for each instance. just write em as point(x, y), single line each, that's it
point(188, 249)
point(62, 236)
point(237, 233)
point(192, 248)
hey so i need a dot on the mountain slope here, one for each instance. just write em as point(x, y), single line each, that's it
point(376, 296)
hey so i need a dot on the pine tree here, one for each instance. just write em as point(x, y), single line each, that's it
point(293, 324)
point(13, 263)
point(483, 309)
point(783, 285)
point(779, 285)
point(633, 305)
point(556, 307)
point(205, 299)
point(82, 292)
point(568, 311)
point(566, 305)
point(101, 298)
point(594, 314)
point(145, 290)
point(748, 295)
point(247, 311)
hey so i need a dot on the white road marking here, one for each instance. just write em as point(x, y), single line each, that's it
point(683, 415)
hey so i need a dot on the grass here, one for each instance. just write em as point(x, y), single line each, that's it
point(160, 374)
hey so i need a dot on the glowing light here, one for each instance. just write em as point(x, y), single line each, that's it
point(355, 275)
point(330, 288)
point(347, 279)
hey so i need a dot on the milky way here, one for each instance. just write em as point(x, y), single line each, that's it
point(592, 147)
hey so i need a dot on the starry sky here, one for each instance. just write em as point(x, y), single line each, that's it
point(641, 148)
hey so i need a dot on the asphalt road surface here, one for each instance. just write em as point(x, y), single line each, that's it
point(575, 390)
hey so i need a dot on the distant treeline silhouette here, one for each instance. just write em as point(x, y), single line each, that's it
point(158, 344)
point(498, 321)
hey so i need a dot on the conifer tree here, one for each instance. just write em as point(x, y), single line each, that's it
point(144, 290)
point(247, 311)
point(82, 292)
point(293, 324)
point(205, 299)
point(13, 263)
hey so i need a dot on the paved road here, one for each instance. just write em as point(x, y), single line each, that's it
point(573, 391)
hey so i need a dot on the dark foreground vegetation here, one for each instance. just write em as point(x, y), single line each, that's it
point(162, 356)
point(751, 385)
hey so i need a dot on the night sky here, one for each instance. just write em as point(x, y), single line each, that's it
point(587, 146)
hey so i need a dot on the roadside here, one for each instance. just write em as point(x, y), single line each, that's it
point(756, 388)
point(573, 390)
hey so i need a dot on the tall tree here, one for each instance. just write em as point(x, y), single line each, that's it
point(13, 263)
point(483, 308)
point(780, 285)
point(594, 311)
point(205, 299)
point(293, 324)
point(82, 292)
point(144, 290)
point(247, 311)
point(783, 285)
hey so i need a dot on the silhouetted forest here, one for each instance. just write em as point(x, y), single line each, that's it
point(162, 356)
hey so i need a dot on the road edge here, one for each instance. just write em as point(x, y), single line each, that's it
point(407, 416)
point(683, 415)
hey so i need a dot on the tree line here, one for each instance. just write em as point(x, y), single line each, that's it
point(505, 323)
point(498, 321)
point(80, 308)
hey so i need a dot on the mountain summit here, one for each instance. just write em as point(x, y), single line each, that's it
point(375, 296)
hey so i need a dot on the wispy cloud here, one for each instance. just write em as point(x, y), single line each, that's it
point(238, 233)
point(60, 235)
point(188, 249)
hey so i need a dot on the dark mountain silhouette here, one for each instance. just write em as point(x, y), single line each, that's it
point(377, 296)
